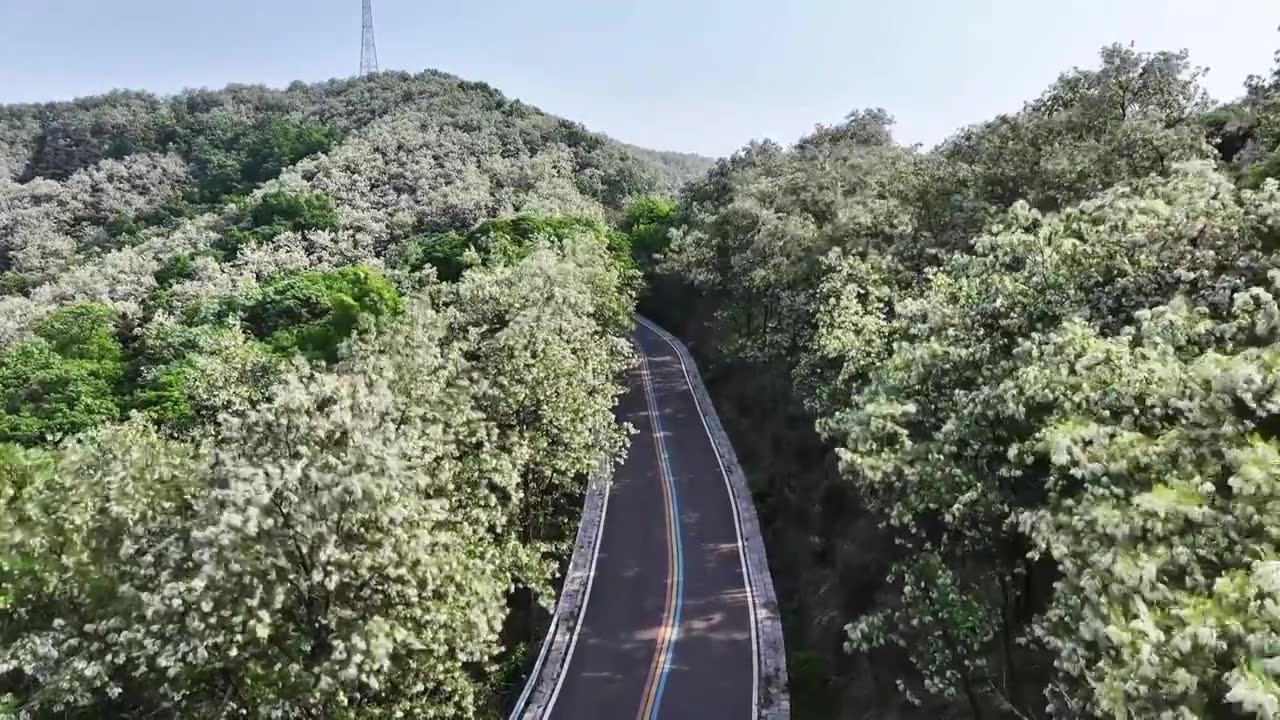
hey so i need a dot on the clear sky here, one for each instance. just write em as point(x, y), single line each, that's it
point(694, 75)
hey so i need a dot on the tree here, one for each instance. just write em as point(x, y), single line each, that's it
point(1135, 115)
point(1161, 522)
point(937, 433)
point(313, 312)
point(647, 221)
point(64, 379)
point(903, 304)
point(504, 242)
point(85, 332)
point(551, 346)
point(47, 396)
point(869, 127)
point(183, 377)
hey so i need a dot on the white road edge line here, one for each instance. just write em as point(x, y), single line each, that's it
point(747, 579)
point(582, 612)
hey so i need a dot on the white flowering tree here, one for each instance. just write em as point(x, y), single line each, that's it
point(1160, 514)
point(934, 435)
point(547, 336)
point(345, 549)
point(914, 307)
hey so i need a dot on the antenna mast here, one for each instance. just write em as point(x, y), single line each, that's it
point(368, 49)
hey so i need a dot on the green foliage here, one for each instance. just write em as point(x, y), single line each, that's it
point(232, 157)
point(445, 252)
point(279, 144)
point(182, 376)
point(230, 154)
point(937, 431)
point(647, 222)
point(188, 376)
point(434, 464)
point(165, 398)
point(1039, 356)
point(1133, 116)
point(504, 242)
point(939, 623)
point(278, 212)
point(1229, 129)
point(46, 395)
point(73, 136)
point(63, 380)
point(85, 332)
point(267, 535)
point(14, 283)
point(167, 214)
point(1161, 474)
point(679, 168)
point(74, 375)
point(508, 680)
point(176, 268)
point(861, 127)
point(1259, 171)
point(314, 312)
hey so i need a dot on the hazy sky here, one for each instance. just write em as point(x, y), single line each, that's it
point(694, 75)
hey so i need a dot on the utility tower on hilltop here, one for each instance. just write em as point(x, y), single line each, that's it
point(368, 49)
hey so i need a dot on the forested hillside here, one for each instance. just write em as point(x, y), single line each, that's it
point(680, 167)
point(298, 390)
point(1010, 406)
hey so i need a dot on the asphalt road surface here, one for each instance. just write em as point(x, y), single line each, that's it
point(667, 631)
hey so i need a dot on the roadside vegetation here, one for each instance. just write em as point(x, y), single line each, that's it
point(299, 389)
point(1010, 404)
point(298, 392)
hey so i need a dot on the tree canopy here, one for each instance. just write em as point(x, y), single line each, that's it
point(299, 391)
point(1008, 403)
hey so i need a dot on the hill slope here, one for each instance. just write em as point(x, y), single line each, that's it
point(680, 167)
point(302, 384)
point(105, 181)
point(54, 140)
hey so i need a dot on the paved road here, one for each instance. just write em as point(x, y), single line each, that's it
point(667, 631)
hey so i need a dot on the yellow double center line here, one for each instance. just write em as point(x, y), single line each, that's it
point(669, 628)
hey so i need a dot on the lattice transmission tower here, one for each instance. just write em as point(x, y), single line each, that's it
point(368, 48)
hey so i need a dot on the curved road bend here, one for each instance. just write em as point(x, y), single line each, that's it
point(667, 632)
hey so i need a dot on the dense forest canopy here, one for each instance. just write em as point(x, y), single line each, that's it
point(1010, 405)
point(299, 389)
